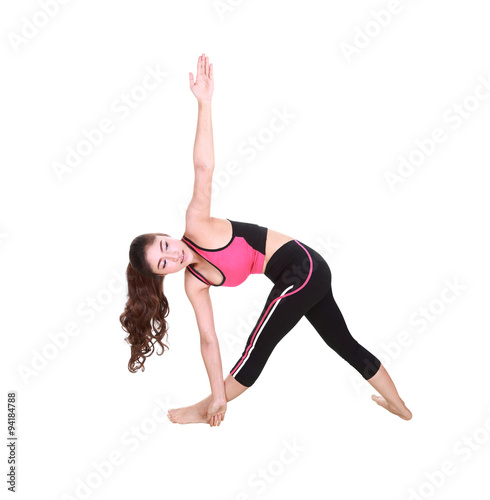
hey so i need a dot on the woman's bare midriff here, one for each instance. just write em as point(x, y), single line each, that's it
point(218, 233)
point(275, 240)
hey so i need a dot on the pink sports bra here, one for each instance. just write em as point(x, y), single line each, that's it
point(242, 256)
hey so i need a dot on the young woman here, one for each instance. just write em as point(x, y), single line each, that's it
point(223, 252)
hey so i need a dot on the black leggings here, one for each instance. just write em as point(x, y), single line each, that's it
point(302, 287)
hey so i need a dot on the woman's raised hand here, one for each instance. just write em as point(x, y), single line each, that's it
point(203, 87)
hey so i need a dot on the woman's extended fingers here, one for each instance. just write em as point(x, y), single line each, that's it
point(216, 420)
point(204, 67)
point(198, 71)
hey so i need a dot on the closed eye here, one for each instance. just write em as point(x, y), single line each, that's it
point(165, 261)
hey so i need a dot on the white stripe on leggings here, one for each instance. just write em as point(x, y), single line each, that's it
point(261, 328)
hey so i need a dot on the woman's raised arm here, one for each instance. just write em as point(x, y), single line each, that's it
point(203, 88)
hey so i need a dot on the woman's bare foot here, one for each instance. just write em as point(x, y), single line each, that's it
point(188, 415)
point(197, 413)
point(403, 412)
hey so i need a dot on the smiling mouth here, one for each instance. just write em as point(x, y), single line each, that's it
point(183, 255)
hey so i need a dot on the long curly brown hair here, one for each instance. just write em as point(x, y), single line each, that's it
point(146, 307)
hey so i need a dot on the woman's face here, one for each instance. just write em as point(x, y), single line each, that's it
point(167, 255)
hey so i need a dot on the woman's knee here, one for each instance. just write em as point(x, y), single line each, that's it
point(233, 388)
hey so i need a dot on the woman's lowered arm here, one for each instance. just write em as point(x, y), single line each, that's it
point(202, 88)
point(203, 309)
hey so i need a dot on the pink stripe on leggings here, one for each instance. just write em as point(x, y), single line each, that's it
point(271, 304)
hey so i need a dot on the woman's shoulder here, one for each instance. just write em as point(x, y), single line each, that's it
point(211, 233)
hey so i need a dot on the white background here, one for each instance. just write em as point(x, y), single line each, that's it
point(392, 252)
